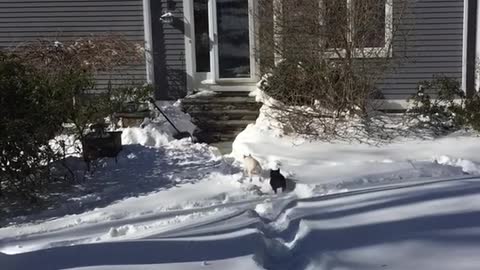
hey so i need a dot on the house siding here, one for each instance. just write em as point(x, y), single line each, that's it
point(430, 43)
point(433, 31)
point(169, 50)
point(29, 20)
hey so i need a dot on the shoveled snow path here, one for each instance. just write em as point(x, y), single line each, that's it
point(432, 224)
point(192, 182)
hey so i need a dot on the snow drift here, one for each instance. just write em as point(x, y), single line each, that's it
point(166, 204)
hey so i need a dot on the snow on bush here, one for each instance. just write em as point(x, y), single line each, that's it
point(350, 162)
point(379, 129)
point(467, 166)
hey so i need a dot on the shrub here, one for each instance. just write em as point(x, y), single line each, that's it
point(72, 65)
point(44, 85)
point(470, 115)
point(449, 110)
point(322, 82)
point(318, 95)
point(31, 113)
point(321, 70)
point(121, 96)
point(92, 54)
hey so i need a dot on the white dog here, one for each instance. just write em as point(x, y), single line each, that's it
point(252, 166)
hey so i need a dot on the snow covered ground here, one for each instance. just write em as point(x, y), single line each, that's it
point(410, 204)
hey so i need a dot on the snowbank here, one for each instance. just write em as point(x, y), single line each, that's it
point(325, 162)
point(168, 204)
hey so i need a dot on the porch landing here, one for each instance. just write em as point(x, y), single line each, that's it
point(220, 117)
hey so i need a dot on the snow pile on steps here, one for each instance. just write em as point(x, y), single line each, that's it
point(159, 132)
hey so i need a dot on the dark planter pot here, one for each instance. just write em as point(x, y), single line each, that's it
point(98, 145)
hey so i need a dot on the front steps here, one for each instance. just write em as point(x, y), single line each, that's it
point(222, 116)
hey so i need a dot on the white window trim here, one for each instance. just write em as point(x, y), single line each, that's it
point(477, 62)
point(370, 52)
point(208, 80)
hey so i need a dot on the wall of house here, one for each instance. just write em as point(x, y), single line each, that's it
point(430, 43)
point(168, 49)
point(30, 20)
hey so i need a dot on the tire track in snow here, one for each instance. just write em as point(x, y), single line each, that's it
point(281, 236)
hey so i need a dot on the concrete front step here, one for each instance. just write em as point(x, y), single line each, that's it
point(218, 100)
point(220, 103)
point(224, 94)
point(234, 94)
point(212, 137)
point(223, 115)
point(223, 126)
point(220, 131)
point(221, 107)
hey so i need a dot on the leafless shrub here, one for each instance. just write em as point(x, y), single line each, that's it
point(89, 54)
point(325, 60)
point(73, 66)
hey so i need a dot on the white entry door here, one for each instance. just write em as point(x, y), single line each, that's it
point(223, 38)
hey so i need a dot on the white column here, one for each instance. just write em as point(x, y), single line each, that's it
point(477, 66)
point(147, 26)
point(188, 15)
point(277, 12)
point(464, 51)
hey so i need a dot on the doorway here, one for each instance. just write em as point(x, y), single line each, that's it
point(222, 43)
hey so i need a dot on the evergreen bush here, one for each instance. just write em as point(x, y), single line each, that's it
point(449, 108)
point(31, 114)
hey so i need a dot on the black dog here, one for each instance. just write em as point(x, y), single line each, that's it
point(277, 180)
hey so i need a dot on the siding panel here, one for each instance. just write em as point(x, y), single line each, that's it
point(30, 20)
point(169, 50)
point(434, 46)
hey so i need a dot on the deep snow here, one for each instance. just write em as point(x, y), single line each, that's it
point(410, 204)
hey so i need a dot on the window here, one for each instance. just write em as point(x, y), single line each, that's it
point(364, 25)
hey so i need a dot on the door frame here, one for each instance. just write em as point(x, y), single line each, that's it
point(211, 80)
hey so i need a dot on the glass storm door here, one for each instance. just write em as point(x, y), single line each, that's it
point(203, 44)
point(223, 47)
point(233, 39)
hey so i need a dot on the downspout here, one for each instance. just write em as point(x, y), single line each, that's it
point(471, 47)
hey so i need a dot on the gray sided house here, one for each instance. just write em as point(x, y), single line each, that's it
point(209, 44)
